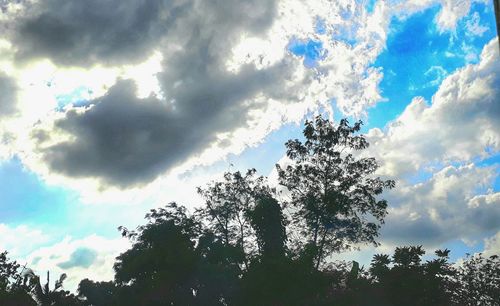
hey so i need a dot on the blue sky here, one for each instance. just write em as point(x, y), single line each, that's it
point(414, 47)
point(72, 195)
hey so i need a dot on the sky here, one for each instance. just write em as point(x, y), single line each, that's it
point(111, 108)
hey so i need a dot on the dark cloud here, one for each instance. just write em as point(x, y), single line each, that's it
point(110, 32)
point(8, 91)
point(81, 33)
point(123, 140)
point(81, 257)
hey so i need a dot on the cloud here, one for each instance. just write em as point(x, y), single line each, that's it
point(95, 32)
point(20, 240)
point(120, 137)
point(8, 90)
point(81, 257)
point(448, 206)
point(436, 74)
point(223, 80)
point(461, 123)
point(492, 245)
point(441, 139)
point(8, 109)
point(125, 140)
point(89, 257)
point(451, 12)
point(473, 27)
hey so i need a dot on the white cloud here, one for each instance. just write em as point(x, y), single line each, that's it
point(451, 12)
point(436, 74)
point(461, 123)
point(20, 240)
point(492, 245)
point(473, 27)
point(90, 257)
point(453, 204)
point(343, 75)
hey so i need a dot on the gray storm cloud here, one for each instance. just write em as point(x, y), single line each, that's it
point(83, 33)
point(8, 91)
point(128, 141)
point(123, 140)
point(110, 32)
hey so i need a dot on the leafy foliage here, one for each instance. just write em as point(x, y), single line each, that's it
point(22, 287)
point(269, 224)
point(478, 280)
point(247, 246)
point(44, 296)
point(160, 266)
point(227, 207)
point(332, 189)
point(97, 293)
point(14, 286)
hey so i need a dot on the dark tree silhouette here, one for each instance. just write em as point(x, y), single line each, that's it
point(218, 271)
point(478, 281)
point(175, 261)
point(14, 285)
point(273, 277)
point(44, 296)
point(159, 269)
point(227, 204)
point(408, 281)
point(241, 248)
point(97, 293)
point(332, 189)
point(269, 224)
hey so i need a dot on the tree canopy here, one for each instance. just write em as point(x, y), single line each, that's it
point(253, 244)
point(333, 190)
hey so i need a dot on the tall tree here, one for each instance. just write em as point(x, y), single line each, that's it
point(227, 205)
point(175, 261)
point(159, 269)
point(333, 192)
point(269, 224)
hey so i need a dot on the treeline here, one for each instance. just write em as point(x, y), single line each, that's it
point(250, 244)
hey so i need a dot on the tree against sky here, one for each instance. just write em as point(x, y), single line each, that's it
point(478, 281)
point(237, 250)
point(14, 286)
point(160, 266)
point(227, 207)
point(20, 286)
point(333, 192)
point(269, 225)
